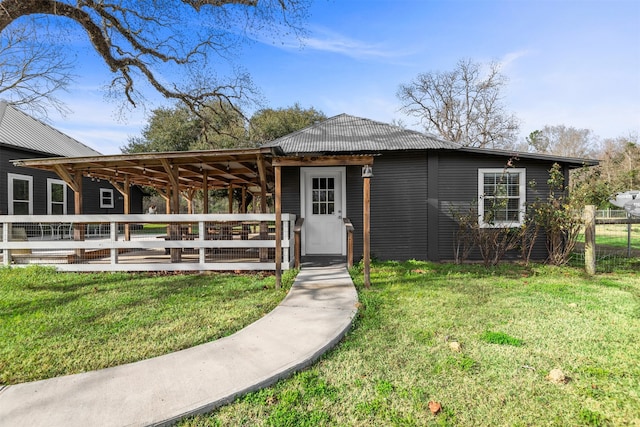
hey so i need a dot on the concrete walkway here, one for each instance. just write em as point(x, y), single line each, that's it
point(314, 316)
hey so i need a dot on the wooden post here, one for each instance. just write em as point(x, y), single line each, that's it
point(278, 207)
point(366, 201)
point(205, 191)
point(350, 248)
point(126, 196)
point(297, 233)
point(230, 198)
point(176, 253)
point(78, 229)
point(243, 208)
point(590, 239)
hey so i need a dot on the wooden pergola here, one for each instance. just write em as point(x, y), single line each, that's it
point(172, 174)
point(183, 173)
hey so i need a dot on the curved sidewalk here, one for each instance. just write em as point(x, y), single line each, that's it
point(315, 315)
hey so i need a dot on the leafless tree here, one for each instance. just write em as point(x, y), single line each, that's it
point(32, 72)
point(146, 42)
point(564, 141)
point(463, 105)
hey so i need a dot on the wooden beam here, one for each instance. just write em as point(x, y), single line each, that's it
point(323, 161)
point(66, 177)
point(262, 172)
point(170, 173)
point(278, 207)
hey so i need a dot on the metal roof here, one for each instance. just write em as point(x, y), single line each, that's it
point(21, 130)
point(355, 135)
point(348, 134)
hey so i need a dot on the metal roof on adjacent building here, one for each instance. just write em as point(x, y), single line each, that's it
point(19, 129)
point(348, 134)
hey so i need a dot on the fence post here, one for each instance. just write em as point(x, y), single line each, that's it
point(590, 239)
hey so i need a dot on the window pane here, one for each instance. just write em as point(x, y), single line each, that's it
point(20, 189)
point(57, 209)
point(330, 208)
point(57, 193)
point(323, 209)
point(330, 183)
point(20, 208)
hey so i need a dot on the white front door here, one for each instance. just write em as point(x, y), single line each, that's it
point(322, 204)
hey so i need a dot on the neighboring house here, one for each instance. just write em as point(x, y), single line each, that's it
point(418, 182)
point(27, 191)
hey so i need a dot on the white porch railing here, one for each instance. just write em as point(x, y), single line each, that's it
point(146, 242)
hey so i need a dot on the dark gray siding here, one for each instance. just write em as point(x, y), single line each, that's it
point(290, 197)
point(399, 206)
point(39, 180)
point(458, 190)
point(413, 199)
point(91, 189)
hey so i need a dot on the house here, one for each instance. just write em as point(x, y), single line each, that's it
point(36, 192)
point(419, 182)
point(353, 186)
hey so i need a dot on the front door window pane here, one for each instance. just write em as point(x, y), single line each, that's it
point(323, 196)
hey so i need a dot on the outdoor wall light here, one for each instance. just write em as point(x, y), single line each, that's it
point(367, 171)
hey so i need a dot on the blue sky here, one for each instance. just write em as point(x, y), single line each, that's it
point(575, 63)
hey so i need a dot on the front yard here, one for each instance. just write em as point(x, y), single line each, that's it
point(54, 324)
point(480, 342)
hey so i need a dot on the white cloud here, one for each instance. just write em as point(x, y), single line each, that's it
point(323, 39)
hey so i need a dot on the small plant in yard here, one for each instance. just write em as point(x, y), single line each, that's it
point(500, 338)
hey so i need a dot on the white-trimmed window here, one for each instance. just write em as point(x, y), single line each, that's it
point(56, 197)
point(106, 198)
point(501, 197)
point(20, 194)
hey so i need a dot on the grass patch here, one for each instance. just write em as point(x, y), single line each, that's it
point(54, 324)
point(500, 338)
point(398, 358)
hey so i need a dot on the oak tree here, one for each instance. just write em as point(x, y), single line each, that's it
point(183, 49)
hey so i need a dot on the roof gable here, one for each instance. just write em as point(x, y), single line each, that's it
point(21, 130)
point(348, 134)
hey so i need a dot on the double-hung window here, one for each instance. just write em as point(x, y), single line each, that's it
point(501, 197)
point(106, 198)
point(20, 194)
point(56, 197)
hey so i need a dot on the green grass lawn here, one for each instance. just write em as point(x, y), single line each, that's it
point(54, 324)
point(512, 326)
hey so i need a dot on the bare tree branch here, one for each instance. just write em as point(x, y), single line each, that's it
point(32, 72)
point(462, 105)
point(145, 41)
